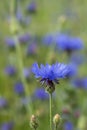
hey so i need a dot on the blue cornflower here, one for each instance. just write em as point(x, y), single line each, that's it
point(69, 43)
point(80, 83)
point(22, 19)
point(3, 102)
point(24, 38)
point(68, 126)
point(7, 126)
point(40, 94)
point(50, 74)
point(19, 88)
point(32, 49)
point(48, 39)
point(10, 42)
point(10, 70)
point(72, 70)
point(32, 7)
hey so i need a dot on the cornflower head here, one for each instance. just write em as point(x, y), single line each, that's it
point(19, 88)
point(9, 41)
point(24, 38)
point(68, 126)
point(32, 7)
point(32, 49)
point(68, 43)
point(7, 126)
point(80, 83)
point(48, 39)
point(40, 94)
point(3, 102)
point(73, 70)
point(50, 74)
point(10, 70)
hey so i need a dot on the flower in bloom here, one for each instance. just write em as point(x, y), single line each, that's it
point(68, 126)
point(32, 49)
point(40, 94)
point(80, 83)
point(3, 102)
point(24, 38)
point(19, 88)
point(10, 42)
point(73, 70)
point(68, 43)
point(50, 74)
point(10, 70)
point(7, 126)
point(32, 7)
point(48, 39)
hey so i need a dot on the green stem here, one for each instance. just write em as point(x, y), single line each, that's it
point(20, 66)
point(19, 54)
point(56, 127)
point(50, 101)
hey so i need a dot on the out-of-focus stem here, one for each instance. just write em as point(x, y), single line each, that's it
point(14, 29)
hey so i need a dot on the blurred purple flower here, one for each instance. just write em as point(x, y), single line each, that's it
point(19, 88)
point(10, 70)
point(24, 38)
point(7, 126)
point(10, 42)
point(40, 94)
point(25, 20)
point(68, 126)
point(32, 49)
point(73, 71)
point(3, 102)
point(68, 43)
point(48, 39)
point(32, 7)
point(80, 83)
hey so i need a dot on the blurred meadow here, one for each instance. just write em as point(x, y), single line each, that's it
point(42, 31)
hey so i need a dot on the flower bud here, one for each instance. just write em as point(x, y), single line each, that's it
point(56, 120)
point(33, 122)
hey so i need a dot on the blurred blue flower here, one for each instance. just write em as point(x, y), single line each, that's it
point(40, 94)
point(68, 43)
point(50, 74)
point(73, 70)
point(3, 102)
point(24, 38)
point(48, 39)
point(10, 70)
point(7, 126)
point(10, 42)
point(31, 49)
point(80, 83)
point(68, 126)
point(19, 88)
point(25, 20)
point(32, 7)
point(26, 72)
